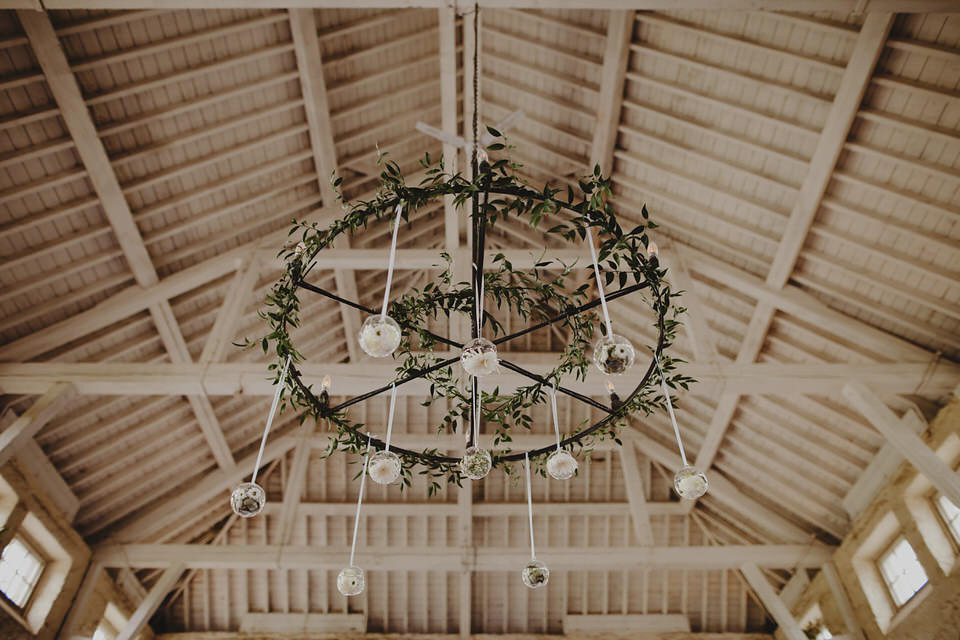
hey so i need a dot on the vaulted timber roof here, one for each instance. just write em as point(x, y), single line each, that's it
point(804, 169)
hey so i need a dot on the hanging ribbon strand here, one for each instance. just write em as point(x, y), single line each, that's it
point(526, 463)
point(596, 271)
point(689, 482)
point(535, 573)
point(393, 259)
point(385, 466)
point(281, 383)
point(556, 421)
point(356, 518)
point(673, 417)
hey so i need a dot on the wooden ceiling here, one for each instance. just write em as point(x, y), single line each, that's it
point(804, 168)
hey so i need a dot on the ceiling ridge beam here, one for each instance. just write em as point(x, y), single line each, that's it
point(424, 558)
point(612, 84)
point(853, 84)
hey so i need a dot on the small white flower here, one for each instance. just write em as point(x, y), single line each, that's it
point(561, 465)
point(384, 471)
point(480, 364)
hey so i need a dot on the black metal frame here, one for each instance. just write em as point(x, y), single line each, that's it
point(478, 231)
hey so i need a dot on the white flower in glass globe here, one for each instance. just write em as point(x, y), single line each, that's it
point(350, 581)
point(613, 354)
point(535, 574)
point(379, 336)
point(479, 357)
point(690, 482)
point(247, 499)
point(475, 463)
point(561, 465)
point(384, 467)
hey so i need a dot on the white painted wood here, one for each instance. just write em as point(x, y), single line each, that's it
point(39, 470)
point(465, 513)
point(303, 622)
point(610, 623)
point(418, 558)
point(853, 629)
point(880, 470)
point(296, 481)
point(73, 110)
point(221, 336)
point(907, 442)
point(794, 588)
point(23, 429)
point(612, 79)
point(480, 509)
point(139, 619)
point(771, 602)
point(639, 514)
point(841, 6)
point(108, 378)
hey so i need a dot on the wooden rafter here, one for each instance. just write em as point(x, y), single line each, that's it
point(612, 80)
point(853, 84)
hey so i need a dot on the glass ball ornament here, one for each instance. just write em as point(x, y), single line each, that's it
point(248, 499)
point(479, 357)
point(561, 465)
point(690, 483)
point(350, 581)
point(613, 354)
point(384, 467)
point(475, 463)
point(535, 574)
point(379, 336)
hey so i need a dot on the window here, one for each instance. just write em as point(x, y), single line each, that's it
point(20, 569)
point(902, 571)
point(105, 631)
point(950, 514)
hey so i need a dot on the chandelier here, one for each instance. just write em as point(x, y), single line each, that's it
point(544, 297)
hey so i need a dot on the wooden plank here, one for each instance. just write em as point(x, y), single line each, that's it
point(296, 481)
point(908, 443)
point(303, 622)
point(221, 336)
point(612, 81)
point(626, 624)
point(853, 629)
point(465, 533)
point(440, 558)
point(63, 86)
point(794, 588)
point(839, 6)
point(303, 26)
point(771, 602)
point(880, 470)
point(139, 619)
point(633, 482)
point(479, 510)
point(249, 378)
point(41, 472)
point(23, 429)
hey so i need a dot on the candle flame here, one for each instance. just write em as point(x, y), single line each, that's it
point(610, 387)
point(326, 382)
point(652, 249)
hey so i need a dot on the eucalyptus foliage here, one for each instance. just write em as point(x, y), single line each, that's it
point(535, 295)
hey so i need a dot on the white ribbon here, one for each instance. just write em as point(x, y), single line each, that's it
point(356, 518)
point(393, 258)
point(533, 551)
point(273, 410)
point(596, 271)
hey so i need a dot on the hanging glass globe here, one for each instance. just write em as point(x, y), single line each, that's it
point(384, 467)
point(350, 581)
point(475, 463)
point(479, 357)
point(247, 499)
point(690, 482)
point(535, 574)
point(613, 354)
point(379, 336)
point(561, 465)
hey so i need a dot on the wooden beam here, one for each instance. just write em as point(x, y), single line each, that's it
point(881, 469)
point(625, 624)
point(63, 86)
point(840, 6)
point(221, 336)
point(853, 629)
point(843, 111)
point(772, 525)
point(612, 81)
point(794, 588)
point(909, 444)
point(153, 520)
point(41, 472)
point(479, 509)
point(633, 481)
point(771, 602)
point(702, 341)
point(306, 45)
point(249, 378)
point(296, 481)
point(23, 429)
point(465, 521)
point(447, 28)
point(450, 558)
point(139, 619)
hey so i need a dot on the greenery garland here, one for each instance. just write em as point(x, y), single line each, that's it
point(535, 295)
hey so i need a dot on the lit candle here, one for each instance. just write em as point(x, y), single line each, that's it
point(614, 398)
point(325, 391)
